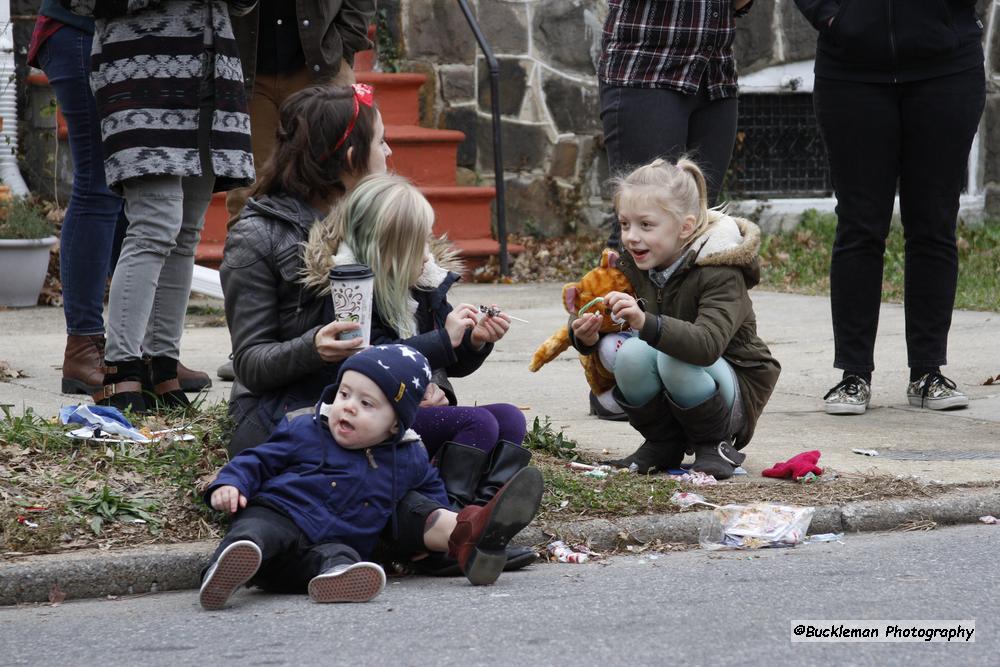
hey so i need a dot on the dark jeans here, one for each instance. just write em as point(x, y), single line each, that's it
point(88, 231)
point(919, 135)
point(289, 559)
point(641, 124)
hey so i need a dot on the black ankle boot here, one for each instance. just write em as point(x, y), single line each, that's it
point(505, 460)
point(706, 425)
point(460, 468)
point(165, 387)
point(665, 441)
point(122, 386)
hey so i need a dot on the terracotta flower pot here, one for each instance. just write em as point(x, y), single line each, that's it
point(23, 265)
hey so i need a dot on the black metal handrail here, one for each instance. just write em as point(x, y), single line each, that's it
point(497, 156)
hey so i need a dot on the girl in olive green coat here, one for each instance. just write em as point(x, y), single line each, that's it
point(692, 375)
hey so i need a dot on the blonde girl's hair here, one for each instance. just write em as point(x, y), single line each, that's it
point(386, 222)
point(679, 189)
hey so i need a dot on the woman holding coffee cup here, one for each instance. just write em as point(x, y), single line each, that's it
point(284, 352)
point(287, 346)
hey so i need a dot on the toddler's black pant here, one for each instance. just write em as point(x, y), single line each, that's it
point(290, 560)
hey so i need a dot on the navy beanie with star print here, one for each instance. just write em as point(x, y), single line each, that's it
point(400, 372)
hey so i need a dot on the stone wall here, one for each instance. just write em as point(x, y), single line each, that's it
point(555, 167)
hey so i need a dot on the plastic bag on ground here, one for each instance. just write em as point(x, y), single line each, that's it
point(756, 526)
point(99, 419)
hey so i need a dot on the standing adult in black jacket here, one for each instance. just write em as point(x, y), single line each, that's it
point(899, 91)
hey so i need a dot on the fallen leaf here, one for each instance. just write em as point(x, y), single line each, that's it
point(56, 596)
point(8, 372)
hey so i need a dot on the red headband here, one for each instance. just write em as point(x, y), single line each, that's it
point(363, 94)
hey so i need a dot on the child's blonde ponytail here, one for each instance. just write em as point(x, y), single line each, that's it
point(692, 170)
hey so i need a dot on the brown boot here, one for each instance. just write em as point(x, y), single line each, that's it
point(480, 538)
point(192, 381)
point(83, 362)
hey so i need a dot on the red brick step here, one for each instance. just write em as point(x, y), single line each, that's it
point(425, 156)
point(397, 95)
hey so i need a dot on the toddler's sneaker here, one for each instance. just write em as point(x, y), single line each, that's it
point(850, 396)
point(357, 582)
point(935, 392)
point(234, 567)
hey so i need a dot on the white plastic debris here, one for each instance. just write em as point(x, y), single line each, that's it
point(865, 452)
point(563, 553)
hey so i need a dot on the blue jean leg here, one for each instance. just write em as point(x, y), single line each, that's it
point(93, 211)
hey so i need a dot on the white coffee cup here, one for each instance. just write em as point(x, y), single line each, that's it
point(351, 288)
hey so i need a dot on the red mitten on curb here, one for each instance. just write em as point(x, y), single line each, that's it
point(798, 466)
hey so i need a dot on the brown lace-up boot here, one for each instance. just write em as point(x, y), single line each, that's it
point(83, 361)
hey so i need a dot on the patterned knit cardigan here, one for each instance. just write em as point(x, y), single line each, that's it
point(169, 90)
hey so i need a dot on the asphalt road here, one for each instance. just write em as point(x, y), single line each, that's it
point(691, 608)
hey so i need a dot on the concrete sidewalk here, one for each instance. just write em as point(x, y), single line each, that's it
point(960, 446)
point(954, 447)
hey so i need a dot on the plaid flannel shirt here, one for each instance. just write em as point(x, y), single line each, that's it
point(677, 44)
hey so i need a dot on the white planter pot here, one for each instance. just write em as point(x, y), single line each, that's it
point(23, 265)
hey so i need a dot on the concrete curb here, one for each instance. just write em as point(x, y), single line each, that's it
point(178, 567)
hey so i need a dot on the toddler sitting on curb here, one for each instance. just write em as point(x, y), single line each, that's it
point(311, 502)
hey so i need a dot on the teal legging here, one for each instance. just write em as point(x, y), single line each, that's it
point(642, 372)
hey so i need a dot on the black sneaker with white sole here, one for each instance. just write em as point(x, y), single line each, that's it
point(234, 567)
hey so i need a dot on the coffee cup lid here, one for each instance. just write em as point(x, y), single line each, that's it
point(351, 272)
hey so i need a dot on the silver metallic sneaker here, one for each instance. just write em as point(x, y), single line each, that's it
point(936, 392)
point(850, 396)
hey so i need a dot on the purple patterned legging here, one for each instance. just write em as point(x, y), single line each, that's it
point(480, 426)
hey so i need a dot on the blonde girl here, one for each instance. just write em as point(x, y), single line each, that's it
point(693, 376)
point(386, 224)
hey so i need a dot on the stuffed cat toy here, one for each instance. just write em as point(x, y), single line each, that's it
point(596, 283)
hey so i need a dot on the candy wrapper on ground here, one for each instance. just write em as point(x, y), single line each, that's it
point(756, 526)
point(687, 499)
point(694, 478)
point(564, 553)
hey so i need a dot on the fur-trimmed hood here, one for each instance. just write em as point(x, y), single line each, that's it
point(729, 241)
point(323, 252)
